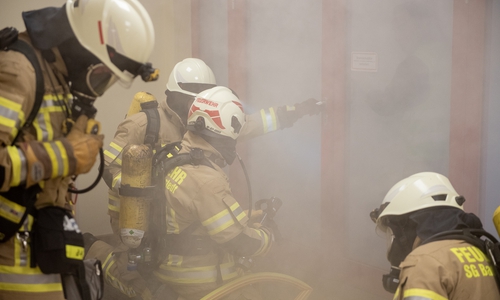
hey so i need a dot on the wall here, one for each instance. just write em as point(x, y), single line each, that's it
point(491, 138)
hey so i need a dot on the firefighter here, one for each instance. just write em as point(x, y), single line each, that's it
point(79, 50)
point(207, 230)
point(188, 78)
point(431, 255)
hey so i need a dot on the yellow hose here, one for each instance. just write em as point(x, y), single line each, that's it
point(305, 289)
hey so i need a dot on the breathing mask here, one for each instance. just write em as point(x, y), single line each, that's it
point(400, 233)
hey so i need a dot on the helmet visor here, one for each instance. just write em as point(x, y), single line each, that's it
point(99, 79)
point(389, 238)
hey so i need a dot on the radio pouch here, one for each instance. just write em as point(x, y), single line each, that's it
point(57, 241)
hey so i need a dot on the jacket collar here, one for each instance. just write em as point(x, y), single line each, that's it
point(192, 140)
point(173, 116)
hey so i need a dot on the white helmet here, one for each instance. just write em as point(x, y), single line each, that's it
point(118, 32)
point(216, 112)
point(419, 191)
point(191, 76)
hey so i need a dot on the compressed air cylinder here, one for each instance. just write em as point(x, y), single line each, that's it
point(139, 98)
point(134, 211)
point(496, 220)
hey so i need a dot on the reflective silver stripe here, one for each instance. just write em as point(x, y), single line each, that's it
point(417, 298)
point(60, 160)
point(42, 126)
point(23, 166)
point(11, 115)
point(238, 211)
point(117, 182)
point(18, 160)
point(113, 204)
point(51, 103)
point(30, 278)
point(269, 120)
point(112, 151)
point(218, 223)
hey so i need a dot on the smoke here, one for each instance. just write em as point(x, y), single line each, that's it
point(398, 112)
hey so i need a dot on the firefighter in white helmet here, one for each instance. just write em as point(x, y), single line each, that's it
point(188, 78)
point(201, 209)
point(67, 55)
point(433, 245)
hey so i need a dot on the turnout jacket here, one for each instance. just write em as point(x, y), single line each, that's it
point(17, 97)
point(450, 269)
point(132, 131)
point(201, 195)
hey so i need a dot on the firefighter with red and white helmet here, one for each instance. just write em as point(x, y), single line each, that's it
point(201, 208)
point(436, 249)
point(188, 78)
point(67, 55)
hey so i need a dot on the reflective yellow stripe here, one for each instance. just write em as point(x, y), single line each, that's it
point(108, 263)
point(175, 260)
point(63, 158)
point(422, 294)
point(264, 244)
point(58, 157)
point(11, 115)
point(268, 120)
point(53, 158)
point(173, 226)
point(27, 287)
point(218, 222)
point(196, 274)
point(42, 124)
point(22, 278)
point(238, 211)
point(18, 165)
point(112, 152)
point(396, 294)
point(116, 179)
point(11, 210)
point(75, 252)
point(113, 202)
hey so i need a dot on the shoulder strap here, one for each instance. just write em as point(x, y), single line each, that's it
point(27, 50)
point(150, 108)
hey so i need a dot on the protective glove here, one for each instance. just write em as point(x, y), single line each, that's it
point(85, 146)
point(72, 155)
point(287, 115)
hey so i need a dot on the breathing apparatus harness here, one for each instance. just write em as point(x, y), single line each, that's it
point(156, 244)
point(479, 238)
